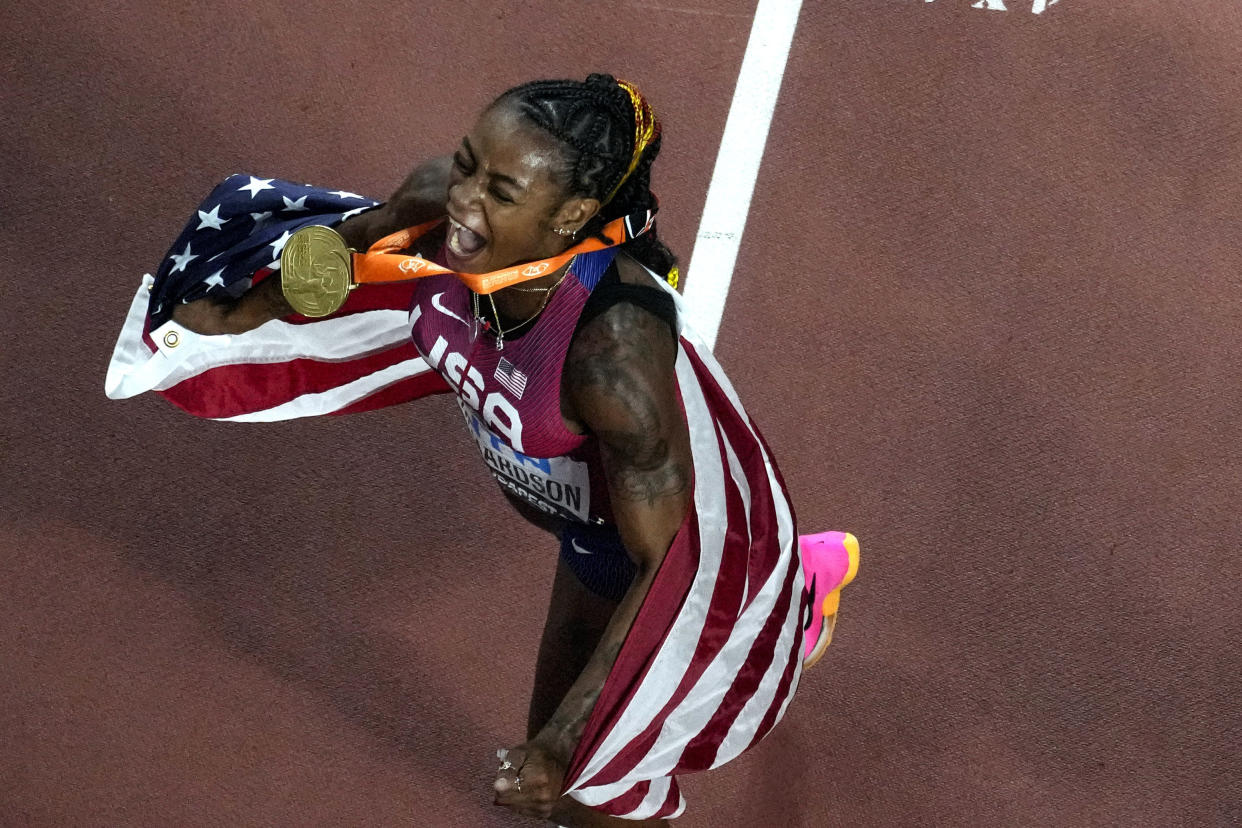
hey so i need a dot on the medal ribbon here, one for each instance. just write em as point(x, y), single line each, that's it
point(381, 264)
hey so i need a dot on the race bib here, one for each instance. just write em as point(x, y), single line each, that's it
point(558, 486)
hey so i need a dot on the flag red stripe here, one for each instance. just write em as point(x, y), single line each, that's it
point(671, 802)
point(646, 636)
point(628, 801)
point(776, 471)
point(402, 391)
point(230, 390)
point(701, 751)
point(782, 691)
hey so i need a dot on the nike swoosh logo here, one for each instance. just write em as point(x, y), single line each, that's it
point(810, 605)
point(574, 543)
point(435, 303)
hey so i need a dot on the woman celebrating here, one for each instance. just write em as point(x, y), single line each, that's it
point(674, 638)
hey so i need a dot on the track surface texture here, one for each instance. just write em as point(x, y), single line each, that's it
point(985, 310)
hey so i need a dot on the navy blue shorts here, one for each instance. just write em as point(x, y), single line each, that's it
point(597, 557)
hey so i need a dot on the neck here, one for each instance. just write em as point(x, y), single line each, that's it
point(520, 301)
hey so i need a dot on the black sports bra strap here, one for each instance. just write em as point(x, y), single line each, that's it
point(611, 290)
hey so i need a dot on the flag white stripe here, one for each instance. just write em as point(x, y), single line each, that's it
point(130, 353)
point(599, 794)
point(653, 801)
point(334, 399)
point(135, 368)
point(650, 805)
point(702, 702)
point(742, 733)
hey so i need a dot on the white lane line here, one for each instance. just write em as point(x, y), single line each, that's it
point(737, 164)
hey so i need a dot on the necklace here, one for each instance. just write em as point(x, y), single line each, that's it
point(520, 289)
point(500, 332)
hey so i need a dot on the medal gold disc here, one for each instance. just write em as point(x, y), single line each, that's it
point(315, 271)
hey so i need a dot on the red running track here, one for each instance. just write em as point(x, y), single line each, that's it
point(985, 310)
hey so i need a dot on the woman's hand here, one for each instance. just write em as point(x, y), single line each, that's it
point(530, 778)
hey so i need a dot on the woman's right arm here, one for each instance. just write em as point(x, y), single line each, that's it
point(420, 198)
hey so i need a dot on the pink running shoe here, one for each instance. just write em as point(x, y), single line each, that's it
point(829, 562)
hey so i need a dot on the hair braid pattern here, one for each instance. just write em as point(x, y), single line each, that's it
point(599, 122)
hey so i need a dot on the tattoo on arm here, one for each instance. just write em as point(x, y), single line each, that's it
point(640, 467)
point(608, 361)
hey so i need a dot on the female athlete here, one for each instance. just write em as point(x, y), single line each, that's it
point(674, 638)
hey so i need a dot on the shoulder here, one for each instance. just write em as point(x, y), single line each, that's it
point(624, 333)
point(628, 282)
point(629, 325)
point(621, 361)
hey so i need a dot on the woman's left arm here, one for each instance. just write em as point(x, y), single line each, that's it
point(620, 381)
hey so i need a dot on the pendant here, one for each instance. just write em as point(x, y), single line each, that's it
point(316, 271)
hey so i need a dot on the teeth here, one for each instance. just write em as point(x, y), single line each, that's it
point(454, 238)
point(454, 241)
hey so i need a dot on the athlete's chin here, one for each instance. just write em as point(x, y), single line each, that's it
point(476, 263)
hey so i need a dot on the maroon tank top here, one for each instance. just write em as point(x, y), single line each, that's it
point(511, 396)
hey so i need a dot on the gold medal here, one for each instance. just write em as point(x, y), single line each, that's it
point(316, 271)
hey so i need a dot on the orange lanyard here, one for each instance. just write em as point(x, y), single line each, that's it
point(382, 264)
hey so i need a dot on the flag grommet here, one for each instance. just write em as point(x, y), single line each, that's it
point(171, 339)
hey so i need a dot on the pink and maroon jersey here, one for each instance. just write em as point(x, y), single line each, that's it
point(511, 397)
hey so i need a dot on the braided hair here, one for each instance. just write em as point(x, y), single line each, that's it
point(594, 121)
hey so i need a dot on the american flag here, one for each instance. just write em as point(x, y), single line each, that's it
point(714, 656)
point(508, 375)
point(358, 359)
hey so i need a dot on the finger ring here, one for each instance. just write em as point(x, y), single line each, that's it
point(517, 784)
point(506, 765)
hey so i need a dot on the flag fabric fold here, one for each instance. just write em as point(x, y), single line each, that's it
point(714, 656)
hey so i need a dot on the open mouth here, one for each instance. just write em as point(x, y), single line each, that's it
point(463, 242)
